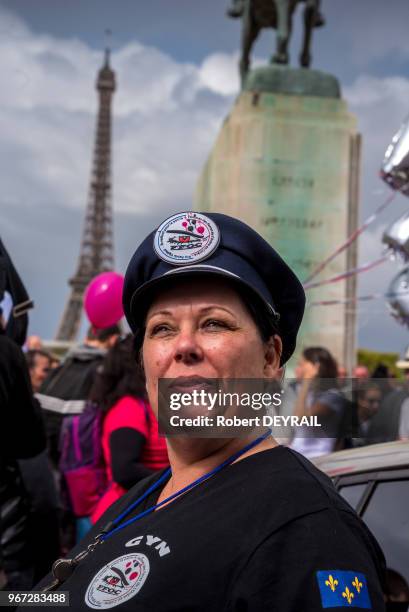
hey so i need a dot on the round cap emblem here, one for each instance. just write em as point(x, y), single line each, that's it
point(186, 238)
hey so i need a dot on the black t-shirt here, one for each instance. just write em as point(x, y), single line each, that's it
point(268, 533)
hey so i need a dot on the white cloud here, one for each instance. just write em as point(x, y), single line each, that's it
point(219, 73)
point(149, 81)
point(368, 92)
point(166, 116)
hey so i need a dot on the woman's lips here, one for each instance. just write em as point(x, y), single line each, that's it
point(188, 384)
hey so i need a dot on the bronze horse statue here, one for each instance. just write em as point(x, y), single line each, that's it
point(278, 14)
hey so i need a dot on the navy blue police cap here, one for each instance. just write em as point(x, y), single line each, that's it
point(191, 243)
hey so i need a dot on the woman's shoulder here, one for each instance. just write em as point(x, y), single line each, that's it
point(128, 401)
point(291, 485)
point(127, 411)
point(333, 397)
point(284, 493)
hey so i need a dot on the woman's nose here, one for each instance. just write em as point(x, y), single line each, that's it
point(187, 349)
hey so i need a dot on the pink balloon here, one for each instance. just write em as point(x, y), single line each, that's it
point(103, 299)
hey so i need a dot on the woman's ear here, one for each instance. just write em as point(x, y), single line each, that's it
point(272, 356)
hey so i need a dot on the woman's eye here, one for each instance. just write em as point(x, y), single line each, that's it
point(214, 323)
point(161, 328)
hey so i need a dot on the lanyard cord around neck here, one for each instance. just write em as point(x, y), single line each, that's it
point(114, 526)
point(63, 568)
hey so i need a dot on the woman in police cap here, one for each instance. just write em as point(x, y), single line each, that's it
point(238, 523)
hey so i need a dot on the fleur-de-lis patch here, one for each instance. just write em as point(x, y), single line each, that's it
point(348, 595)
point(357, 584)
point(343, 589)
point(331, 583)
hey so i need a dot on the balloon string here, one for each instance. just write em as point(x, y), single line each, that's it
point(361, 298)
point(351, 238)
point(348, 273)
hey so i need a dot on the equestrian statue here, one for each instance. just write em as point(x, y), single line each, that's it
point(278, 14)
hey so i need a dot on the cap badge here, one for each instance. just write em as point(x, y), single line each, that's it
point(186, 238)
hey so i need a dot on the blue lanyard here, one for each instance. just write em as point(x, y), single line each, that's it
point(114, 527)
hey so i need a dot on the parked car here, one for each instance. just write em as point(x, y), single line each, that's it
point(375, 481)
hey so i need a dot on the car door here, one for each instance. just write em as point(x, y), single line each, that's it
point(382, 500)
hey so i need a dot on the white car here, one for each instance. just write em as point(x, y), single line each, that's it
point(375, 481)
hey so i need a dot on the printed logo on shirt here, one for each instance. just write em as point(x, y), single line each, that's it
point(117, 581)
point(343, 589)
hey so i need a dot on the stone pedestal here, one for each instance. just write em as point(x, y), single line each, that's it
point(287, 164)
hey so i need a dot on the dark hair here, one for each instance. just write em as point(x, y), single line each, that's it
point(102, 335)
point(381, 371)
point(119, 375)
point(328, 367)
point(266, 325)
point(395, 586)
point(32, 354)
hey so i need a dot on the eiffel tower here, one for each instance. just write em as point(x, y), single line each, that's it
point(96, 254)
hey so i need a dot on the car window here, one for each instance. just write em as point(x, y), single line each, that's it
point(353, 493)
point(387, 516)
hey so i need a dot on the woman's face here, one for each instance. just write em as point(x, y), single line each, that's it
point(307, 369)
point(202, 328)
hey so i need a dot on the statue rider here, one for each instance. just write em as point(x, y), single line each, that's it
point(236, 9)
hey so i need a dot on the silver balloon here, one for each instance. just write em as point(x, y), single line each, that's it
point(396, 236)
point(398, 296)
point(395, 166)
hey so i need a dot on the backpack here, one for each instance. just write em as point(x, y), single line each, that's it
point(82, 460)
point(73, 379)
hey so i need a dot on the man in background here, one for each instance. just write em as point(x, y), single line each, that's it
point(392, 420)
point(66, 389)
point(39, 363)
point(40, 484)
point(64, 393)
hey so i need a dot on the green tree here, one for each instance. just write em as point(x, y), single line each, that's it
point(371, 359)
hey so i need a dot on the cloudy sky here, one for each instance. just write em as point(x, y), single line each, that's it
point(175, 63)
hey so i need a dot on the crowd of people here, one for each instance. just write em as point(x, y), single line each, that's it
point(368, 407)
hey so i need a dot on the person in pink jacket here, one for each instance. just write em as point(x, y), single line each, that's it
point(130, 440)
